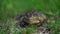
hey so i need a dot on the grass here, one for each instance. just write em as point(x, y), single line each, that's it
point(9, 8)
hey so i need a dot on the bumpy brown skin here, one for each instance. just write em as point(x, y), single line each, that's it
point(30, 17)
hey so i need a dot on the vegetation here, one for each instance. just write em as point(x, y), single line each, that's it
point(9, 8)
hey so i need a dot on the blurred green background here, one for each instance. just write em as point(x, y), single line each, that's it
point(9, 8)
